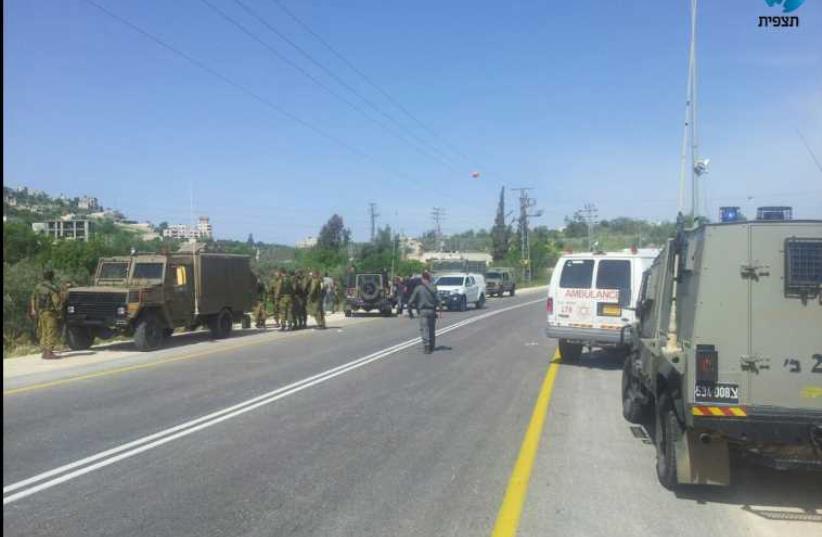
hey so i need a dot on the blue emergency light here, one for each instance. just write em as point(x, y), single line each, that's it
point(729, 214)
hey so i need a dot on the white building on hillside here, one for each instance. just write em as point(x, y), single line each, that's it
point(203, 230)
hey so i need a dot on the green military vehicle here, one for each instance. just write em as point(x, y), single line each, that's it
point(147, 296)
point(726, 355)
point(369, 292)
point(500, 280)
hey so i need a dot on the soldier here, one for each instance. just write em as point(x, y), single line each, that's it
point(339, 296)
point(300, 299)
point(315, 299)
point(46, 308)
point(328, 294)
point(275, 290)
point(425, 299)
point(286, 301)
point(259, 309)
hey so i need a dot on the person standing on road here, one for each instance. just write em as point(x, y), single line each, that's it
point(328, 293)
point(315, 299)
point(339, 296)
point(300, 299)
point(276, 289)
point(399, 294)
point(426, 301)
point(259, 309)
point(286, 302)
point(408, 287)
point(46, 309)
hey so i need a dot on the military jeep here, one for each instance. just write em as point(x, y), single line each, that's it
point(369, 292)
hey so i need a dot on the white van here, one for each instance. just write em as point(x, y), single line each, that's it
point(458, 290)
point(592, 296)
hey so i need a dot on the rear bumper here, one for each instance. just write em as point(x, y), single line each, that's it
point(599, 336)
point(766, 425)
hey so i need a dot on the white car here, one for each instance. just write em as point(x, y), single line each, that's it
point(592, 296)
point(458, 290)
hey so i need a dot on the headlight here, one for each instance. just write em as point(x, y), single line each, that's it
point(458, 291)
point(70, 309)
point(121, 310)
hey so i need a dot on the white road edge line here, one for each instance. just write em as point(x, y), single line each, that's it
point(135, 447)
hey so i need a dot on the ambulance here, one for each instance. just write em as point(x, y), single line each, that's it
point(592, 296)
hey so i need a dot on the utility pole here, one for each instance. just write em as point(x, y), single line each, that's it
point(526, 203)
point(591, 215)
point(372, 211)
point(438, 215)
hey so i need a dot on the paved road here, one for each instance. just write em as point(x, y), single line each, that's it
point(355, 432)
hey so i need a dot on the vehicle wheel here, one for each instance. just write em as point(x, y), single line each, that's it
point(79, 338)
point(569, 352)
point(246, 322)
point(513, 291)
point(667, 428)
point(633, 409)
point(167, 332)
point(221, 325)
point(481, 302)
point(464, 304)
point(347, 313)
point(148, 335)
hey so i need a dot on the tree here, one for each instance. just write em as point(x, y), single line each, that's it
point(501, 232)
point(334, 234)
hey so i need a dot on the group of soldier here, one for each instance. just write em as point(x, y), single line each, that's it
point(294, 295)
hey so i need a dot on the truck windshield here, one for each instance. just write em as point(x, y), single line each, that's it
point(613, 274)
point(450, 280)
point(577, 274)
point(114, 271)
point(496, 275)
point(148, 271)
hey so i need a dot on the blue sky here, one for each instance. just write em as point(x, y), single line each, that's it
point(581, 100)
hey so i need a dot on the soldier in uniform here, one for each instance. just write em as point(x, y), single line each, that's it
point(426, 301)
point(275, 290)
point(315, 299)
point(300, 298)
point(286, 301)
point(339, 296)
point(259, 309)
point(46, 308)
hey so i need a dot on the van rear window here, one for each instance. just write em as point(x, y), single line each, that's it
point(613, 274)
point(577, 274)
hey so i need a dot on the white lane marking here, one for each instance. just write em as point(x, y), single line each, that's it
point(135, 447)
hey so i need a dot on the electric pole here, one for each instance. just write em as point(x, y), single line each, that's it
point(372, 211)
point(526, 203)
point(591, 214)
point(438, 215)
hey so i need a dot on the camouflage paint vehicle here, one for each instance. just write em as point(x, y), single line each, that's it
point(726, 354)
point(147, 296)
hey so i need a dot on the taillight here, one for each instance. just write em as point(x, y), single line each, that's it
point(707, 364)
point(549, 306)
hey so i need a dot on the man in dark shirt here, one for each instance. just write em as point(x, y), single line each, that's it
point(426, 301)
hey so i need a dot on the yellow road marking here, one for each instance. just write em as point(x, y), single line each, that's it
point(511, 508)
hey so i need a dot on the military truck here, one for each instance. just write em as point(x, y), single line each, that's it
point(147, 296)
point(369, 292)
point(726, 355)
point(500, 280)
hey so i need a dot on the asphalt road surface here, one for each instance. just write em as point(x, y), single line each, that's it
point(355, 432)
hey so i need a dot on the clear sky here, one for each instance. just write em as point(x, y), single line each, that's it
point(581, 100)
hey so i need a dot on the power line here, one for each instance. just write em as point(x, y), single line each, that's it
point(225, 16)
point(810, 151)
point(248, 92)
point(365, 77)
point(438, 215)
point(526, 203)
point(591, 215)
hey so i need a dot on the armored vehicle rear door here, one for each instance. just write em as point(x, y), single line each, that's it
point(180, 292)
point(784, 366)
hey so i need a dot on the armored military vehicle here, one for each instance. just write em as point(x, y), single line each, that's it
point(148, 295)
point(500, 280)
point(726, 354)
point(369, 292)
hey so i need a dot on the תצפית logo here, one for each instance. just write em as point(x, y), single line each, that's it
point(787, 5)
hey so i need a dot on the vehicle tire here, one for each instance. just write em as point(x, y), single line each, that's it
point(148, 334)
point(246, 322)
point(667, 426)
point(481, 302)
point(633, 409)
point(167, 332)
point(569, 352)
point(464, 303)
point(79, 338)
point(347, 313)
point(221, 325)
point(513, 291)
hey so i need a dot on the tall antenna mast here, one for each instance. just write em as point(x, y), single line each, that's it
point(690, 133)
